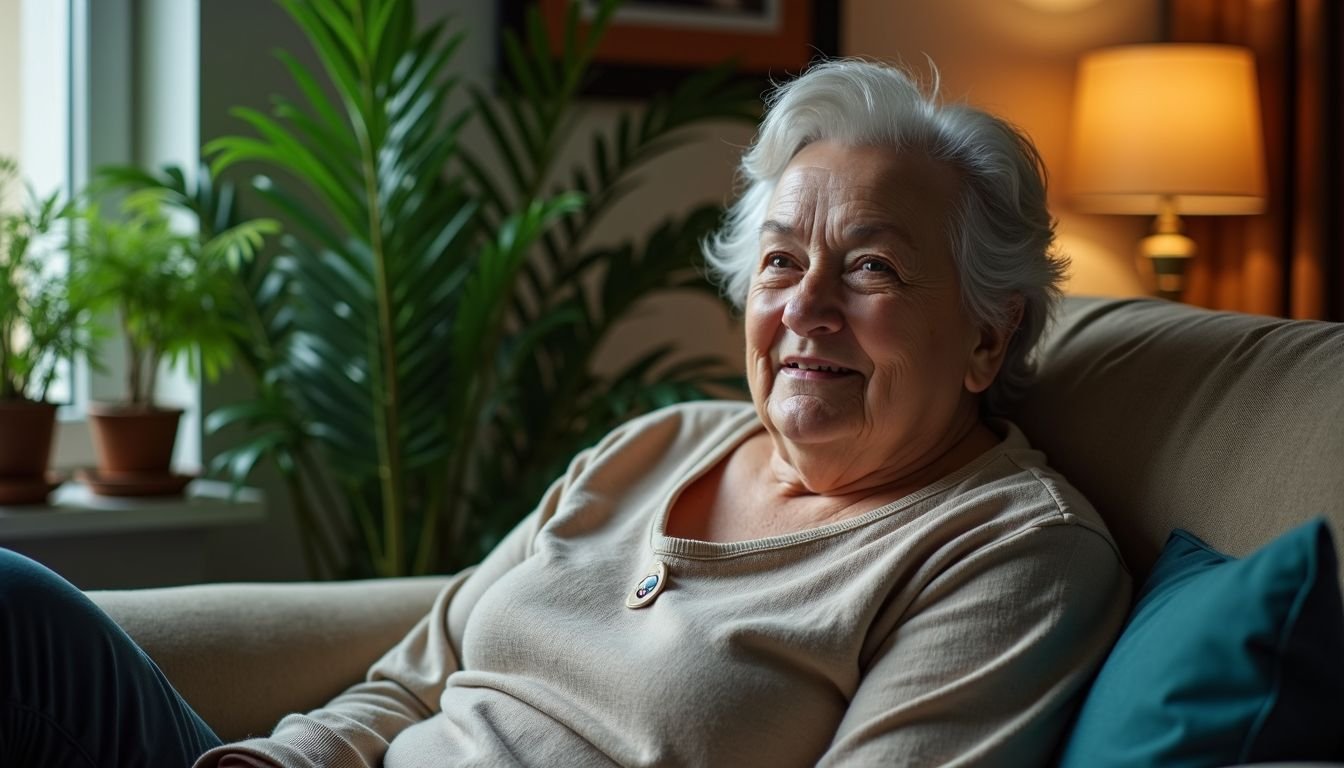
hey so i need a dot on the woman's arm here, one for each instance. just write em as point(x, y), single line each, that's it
point(356, 727)
point(405, 685)
point(986, 666)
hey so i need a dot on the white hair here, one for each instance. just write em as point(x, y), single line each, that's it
point(1001, 231)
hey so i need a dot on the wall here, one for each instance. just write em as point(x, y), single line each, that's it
point(9, 78)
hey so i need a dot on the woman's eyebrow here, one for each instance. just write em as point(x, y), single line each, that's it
point(868, 231)
point(865, 231)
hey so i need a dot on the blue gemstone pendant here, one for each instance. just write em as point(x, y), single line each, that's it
point(648, 587)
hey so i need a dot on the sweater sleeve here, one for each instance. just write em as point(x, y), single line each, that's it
point(404, 686)
point(985, 666)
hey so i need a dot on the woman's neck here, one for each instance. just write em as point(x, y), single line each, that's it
point(824, 470)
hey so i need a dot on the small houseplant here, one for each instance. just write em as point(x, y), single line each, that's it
point(43, 320)
point(165, 289)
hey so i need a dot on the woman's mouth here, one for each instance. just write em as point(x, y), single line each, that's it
point(816, 371)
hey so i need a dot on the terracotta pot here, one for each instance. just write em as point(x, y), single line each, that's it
point(26, 430)
point(133, 440)
point(25, 437)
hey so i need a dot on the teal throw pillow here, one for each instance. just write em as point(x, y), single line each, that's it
point(1223, 661)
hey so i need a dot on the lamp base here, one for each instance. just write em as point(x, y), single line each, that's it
point(1169, 276)
point(1169, 250)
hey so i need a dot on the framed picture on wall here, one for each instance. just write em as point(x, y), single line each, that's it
point(650, 43)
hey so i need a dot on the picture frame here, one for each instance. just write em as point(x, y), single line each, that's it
point(651, 44)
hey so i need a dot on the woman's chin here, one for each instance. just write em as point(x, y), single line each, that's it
point(812, 423)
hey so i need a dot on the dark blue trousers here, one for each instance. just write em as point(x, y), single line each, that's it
point(75, 690)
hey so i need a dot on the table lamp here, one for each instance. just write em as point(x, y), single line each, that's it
point(1168, 129)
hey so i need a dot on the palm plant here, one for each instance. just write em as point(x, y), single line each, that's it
point(438, 312)
point(571, 295)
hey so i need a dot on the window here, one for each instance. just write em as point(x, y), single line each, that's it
point(42, 102)
point(74, 95)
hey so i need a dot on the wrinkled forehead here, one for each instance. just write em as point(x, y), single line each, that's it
point(808, 186)
point(865, 182)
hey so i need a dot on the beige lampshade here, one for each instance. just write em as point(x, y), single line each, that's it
point(1174, 120)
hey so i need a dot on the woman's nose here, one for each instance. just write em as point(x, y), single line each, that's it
point(814, 307)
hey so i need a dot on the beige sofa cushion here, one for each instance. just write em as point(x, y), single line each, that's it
point(1228, 425)
point(243, 655)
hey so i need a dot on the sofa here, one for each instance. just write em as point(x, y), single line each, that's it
point(1166, 416)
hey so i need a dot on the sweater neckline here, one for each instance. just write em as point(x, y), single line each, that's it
point(696, 549)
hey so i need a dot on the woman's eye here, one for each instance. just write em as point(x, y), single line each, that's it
point(777, 261)
point(873, 265)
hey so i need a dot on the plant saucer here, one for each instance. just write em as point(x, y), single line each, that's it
point(28, 491)
point(134, 484)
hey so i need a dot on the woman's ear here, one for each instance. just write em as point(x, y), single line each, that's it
point(992, 346)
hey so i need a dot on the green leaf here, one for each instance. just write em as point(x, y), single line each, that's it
point(317, 98)
point(297, 212)
point(503, 146)
point(290, 152)
point(520, 70)
point(340, 67)
point(539, 49)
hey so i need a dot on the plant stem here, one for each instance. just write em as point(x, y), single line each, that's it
point(323, 559)
point(467, 448)
point(152, 363)
point(132, 364)
point(317, 481)
point(8, 389)
point(304, 516)
point(426, 552)
point(365, 516)
point(258, 341)
point(387, 413)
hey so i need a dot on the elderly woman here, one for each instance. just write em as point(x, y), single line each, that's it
point(859, 567)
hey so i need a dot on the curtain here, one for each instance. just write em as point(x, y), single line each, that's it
point(1288, 261)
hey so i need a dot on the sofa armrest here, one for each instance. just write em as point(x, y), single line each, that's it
point(244, 655)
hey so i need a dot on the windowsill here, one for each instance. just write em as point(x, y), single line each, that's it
point(75, 511)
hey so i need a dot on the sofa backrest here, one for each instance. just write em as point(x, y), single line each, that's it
point(1168, 416)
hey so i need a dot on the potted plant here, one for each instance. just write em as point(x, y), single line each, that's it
point(442, 303)
point(42, 322)
point(165, 289)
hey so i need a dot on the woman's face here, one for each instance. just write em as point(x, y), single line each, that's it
point(857, 343)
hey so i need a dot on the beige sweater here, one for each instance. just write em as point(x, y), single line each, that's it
point(955, 626)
